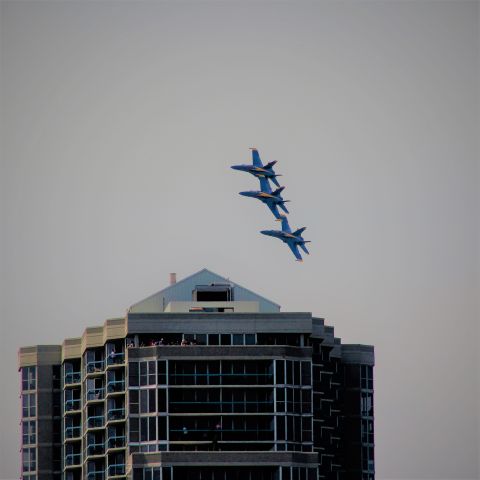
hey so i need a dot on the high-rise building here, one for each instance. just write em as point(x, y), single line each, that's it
point(204, 380)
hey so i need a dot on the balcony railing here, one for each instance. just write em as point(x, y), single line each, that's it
point(73, 404)
point(73, 431)
point(116, 441)
point(96, 475)
point(95, 421)
point(96, 366)
point(116, 469)
point(95, 449)
point(115, 386)
point(116, 358)
point(73, 459)
point(95, 394)
point(72, 378)
point(116, 413)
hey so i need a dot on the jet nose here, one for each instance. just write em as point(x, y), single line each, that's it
point(246, 194)
point(236, 167)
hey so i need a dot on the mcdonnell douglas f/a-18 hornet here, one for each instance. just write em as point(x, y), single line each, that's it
point(257, 169)
point(274, 201)
point(292, 239)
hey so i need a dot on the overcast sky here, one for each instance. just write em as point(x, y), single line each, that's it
point(120, 121)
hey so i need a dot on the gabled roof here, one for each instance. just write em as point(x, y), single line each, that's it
point(182, 291)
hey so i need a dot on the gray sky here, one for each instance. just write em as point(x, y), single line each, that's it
point(120, 121)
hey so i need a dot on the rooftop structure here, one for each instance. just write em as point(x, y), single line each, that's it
point(203, 380)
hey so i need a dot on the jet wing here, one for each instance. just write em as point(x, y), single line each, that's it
point(256, 158)
point(294, 249)
point(273, 208)
point(265, 185)
point(285, 225)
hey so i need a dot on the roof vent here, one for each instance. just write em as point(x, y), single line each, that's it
point(173, 278)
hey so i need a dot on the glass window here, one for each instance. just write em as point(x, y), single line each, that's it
point(29, 378)
point(133, 374)
point(151, 372)
point(213, 339)
point(143, 374)
point(162, 372)
point(306, 373)
point(225, 339)
point(133, 394)
point(280, 371)
point(28, 432)
point(29, 405)
point(250, 339)
point(237, 339)
point(29, 456)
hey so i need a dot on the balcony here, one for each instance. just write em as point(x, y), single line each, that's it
point(73, 432)
point(72, 378)
point(116, 469)
point(96, 475)
point(72, 405)
point(97, 421)
point(96, 366)
point(73, 459)
point(116, 414)
point(95, 394)
point(95, 449)
point(116, 386)
point(116, 359)
point(117, 441)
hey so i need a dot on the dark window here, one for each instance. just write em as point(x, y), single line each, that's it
point(213, 338)
point(280, 372)
point(133, 374)
point(162, 372)
point(225, 339)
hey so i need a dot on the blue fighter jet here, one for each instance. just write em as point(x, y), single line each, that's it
point(257, 169)
point(272, 200)
point(292, 239)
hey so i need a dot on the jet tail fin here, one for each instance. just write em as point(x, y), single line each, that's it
point(299, 231)
point(278, 191)
point(283, 207)
point(270, 164)
point(256, 158)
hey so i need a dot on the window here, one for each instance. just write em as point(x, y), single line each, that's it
point(28, 432)
point(29, 405)
point(367, 404)
point(29, 457)
point(29, 376)
point(162, 372)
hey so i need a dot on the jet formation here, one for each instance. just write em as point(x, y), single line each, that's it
point(274, 201)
